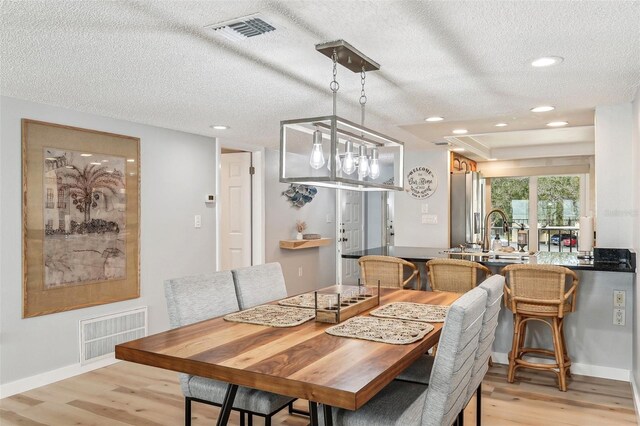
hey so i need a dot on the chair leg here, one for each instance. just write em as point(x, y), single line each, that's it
point(479, 405)
point(567, 360)
point(187, 411)
point(267, 421)
point(294, 410)
point(460, 421)
point(313, 413)
point(241, 413)
point(250, 419)
point(514, 348)
point(559, 352)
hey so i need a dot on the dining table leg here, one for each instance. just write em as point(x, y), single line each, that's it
point(313, 413)
point(227, 405)
point(328, 415)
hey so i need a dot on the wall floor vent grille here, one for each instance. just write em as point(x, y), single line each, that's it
point(100, 335)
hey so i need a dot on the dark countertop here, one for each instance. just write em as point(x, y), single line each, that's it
point(625, 262)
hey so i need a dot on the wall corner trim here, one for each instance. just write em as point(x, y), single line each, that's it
point(635, 389)
point(48, 377)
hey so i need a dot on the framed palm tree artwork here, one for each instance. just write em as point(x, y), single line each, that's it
point(81, 217)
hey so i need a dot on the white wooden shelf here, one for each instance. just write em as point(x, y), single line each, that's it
point(303, 244)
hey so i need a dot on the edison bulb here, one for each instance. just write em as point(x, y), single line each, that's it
point(374, 164)
point(363, 163)
point(349, 161)
point(316, 160)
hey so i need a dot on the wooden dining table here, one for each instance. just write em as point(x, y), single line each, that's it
point(302, 361)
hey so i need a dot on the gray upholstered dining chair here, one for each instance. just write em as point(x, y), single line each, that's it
point(420, 370)
point(438, 404)
point(259, 284)
point(198, 298)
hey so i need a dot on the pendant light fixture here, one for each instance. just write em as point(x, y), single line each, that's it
point(333, 152)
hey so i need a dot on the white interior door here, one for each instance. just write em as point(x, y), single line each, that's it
point(351, 232)
point(235, 206)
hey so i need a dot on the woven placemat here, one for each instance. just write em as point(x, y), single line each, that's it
point(308, 300)
point(412, 312)
point(393, 331)
point(272, 316)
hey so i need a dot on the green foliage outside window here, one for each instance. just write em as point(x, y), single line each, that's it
point(504, 191)
point(558, 198)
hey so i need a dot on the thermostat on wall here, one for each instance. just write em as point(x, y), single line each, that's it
point(210, 198)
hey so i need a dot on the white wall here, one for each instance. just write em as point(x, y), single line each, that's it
point(177, 170)
point(636, 236)
point(614, 164)
point(409, 229)
point(318, 264)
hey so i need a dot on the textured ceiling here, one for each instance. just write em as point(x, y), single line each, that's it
point(153, 62)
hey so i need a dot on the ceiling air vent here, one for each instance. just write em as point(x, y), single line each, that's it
point(441, 143)
point(242, 28)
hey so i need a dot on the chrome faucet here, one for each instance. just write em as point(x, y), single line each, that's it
point(486, 241)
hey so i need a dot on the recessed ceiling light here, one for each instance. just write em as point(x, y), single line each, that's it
point(86, 155)
point(501, 124)
point(433, 119)
point(130, 160)
point(492, 159)
point(50, 158)
point(544, 108)
point(219, 127)
point(460, 131)
point(557, 124)
point(458, 149)
point(105, 161)
point(96, 163)
point(547, 61)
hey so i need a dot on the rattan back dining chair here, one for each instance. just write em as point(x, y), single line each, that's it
point(455, 275)
point(544, 293)
point(388, 270)
point(439, 403)
point(198, 298)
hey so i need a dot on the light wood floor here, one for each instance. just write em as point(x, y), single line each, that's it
point(130, 394)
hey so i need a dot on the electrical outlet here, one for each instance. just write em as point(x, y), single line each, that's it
point(197, 221)
point(618, 316)
point(430, 219)
point(300, 271)
point(619, 298)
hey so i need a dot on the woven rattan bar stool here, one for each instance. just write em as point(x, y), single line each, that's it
point(389, 270)
point(455, 275)
point(538, 293)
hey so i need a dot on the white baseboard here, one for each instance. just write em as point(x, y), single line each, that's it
point(53, 376)
point(580, 369)
point(636, 396)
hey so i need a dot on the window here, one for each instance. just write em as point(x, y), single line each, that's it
point(49, 202)
point(559, 200)
point(62, 204)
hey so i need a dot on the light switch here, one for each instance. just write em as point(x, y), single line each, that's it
point(197, 221)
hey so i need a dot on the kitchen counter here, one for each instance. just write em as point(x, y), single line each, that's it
point(623, 261)
point(597, 346)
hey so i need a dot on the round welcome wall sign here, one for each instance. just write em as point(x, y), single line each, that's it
point(422, 182)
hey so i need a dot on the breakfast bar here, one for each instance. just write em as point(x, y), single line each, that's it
point(590, 328)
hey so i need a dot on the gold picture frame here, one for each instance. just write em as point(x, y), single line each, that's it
point(81, 218)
